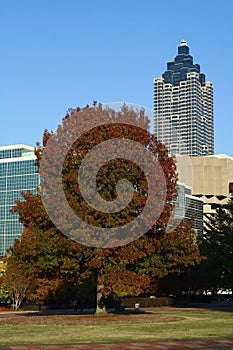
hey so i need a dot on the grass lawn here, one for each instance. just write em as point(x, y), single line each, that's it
point(162, 325)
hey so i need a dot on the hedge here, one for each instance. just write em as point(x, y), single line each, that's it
point(148, 302)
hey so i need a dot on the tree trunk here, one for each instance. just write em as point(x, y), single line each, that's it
point(100, 300)
point(17, 299)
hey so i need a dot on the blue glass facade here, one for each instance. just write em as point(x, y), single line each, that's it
point(17, 174)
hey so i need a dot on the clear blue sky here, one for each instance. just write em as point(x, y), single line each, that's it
point(57, 54)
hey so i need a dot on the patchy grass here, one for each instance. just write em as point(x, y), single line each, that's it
point(162, 325)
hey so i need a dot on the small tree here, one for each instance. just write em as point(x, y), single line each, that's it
point(17, 282)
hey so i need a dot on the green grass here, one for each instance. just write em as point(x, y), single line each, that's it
point(203, 325)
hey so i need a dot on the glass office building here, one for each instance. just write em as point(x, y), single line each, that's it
point(17, 174)
point(189, 207)
point(183, 107)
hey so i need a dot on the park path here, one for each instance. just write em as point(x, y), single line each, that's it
point(174, 345)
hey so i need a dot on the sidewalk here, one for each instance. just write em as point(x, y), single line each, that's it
point(174, 345)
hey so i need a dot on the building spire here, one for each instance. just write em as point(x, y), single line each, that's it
point(183, 43)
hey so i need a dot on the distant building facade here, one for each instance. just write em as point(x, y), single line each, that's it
point(212, 180)
point(189, 207)
point(17, 174)
point(183, 107)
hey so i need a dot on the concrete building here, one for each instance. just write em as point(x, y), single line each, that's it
point(17, 174)
point(212, 180)
point(183, 107)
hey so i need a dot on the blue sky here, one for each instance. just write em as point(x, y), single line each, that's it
point(57, 54)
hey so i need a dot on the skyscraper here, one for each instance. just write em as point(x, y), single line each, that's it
point(183, 107)
point(17, 174)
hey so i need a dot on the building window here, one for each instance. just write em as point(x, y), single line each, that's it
point(231, 187)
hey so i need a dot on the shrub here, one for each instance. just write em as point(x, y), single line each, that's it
point(147, 302)
point(4, 308)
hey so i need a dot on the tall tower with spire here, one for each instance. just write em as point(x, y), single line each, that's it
point(183, 107)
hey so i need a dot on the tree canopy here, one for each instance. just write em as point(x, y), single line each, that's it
point(122, 268)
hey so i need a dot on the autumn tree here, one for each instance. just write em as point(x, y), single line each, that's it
point(45, 264)
point(124, 265)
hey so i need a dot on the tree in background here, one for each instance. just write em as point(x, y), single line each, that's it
point(123, 270)
point(216, 272)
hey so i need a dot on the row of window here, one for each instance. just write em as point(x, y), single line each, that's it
point(19, 182)
point(9, 197)
point(17, 168)
point(189, 142)
point(5, 212)
point(6, 243)
point(10, 153)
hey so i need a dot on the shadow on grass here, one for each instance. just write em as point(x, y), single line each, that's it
point(86, 312)
point(207, 306)
point(192, 307)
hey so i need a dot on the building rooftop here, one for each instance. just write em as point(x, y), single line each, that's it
point(17, 146)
